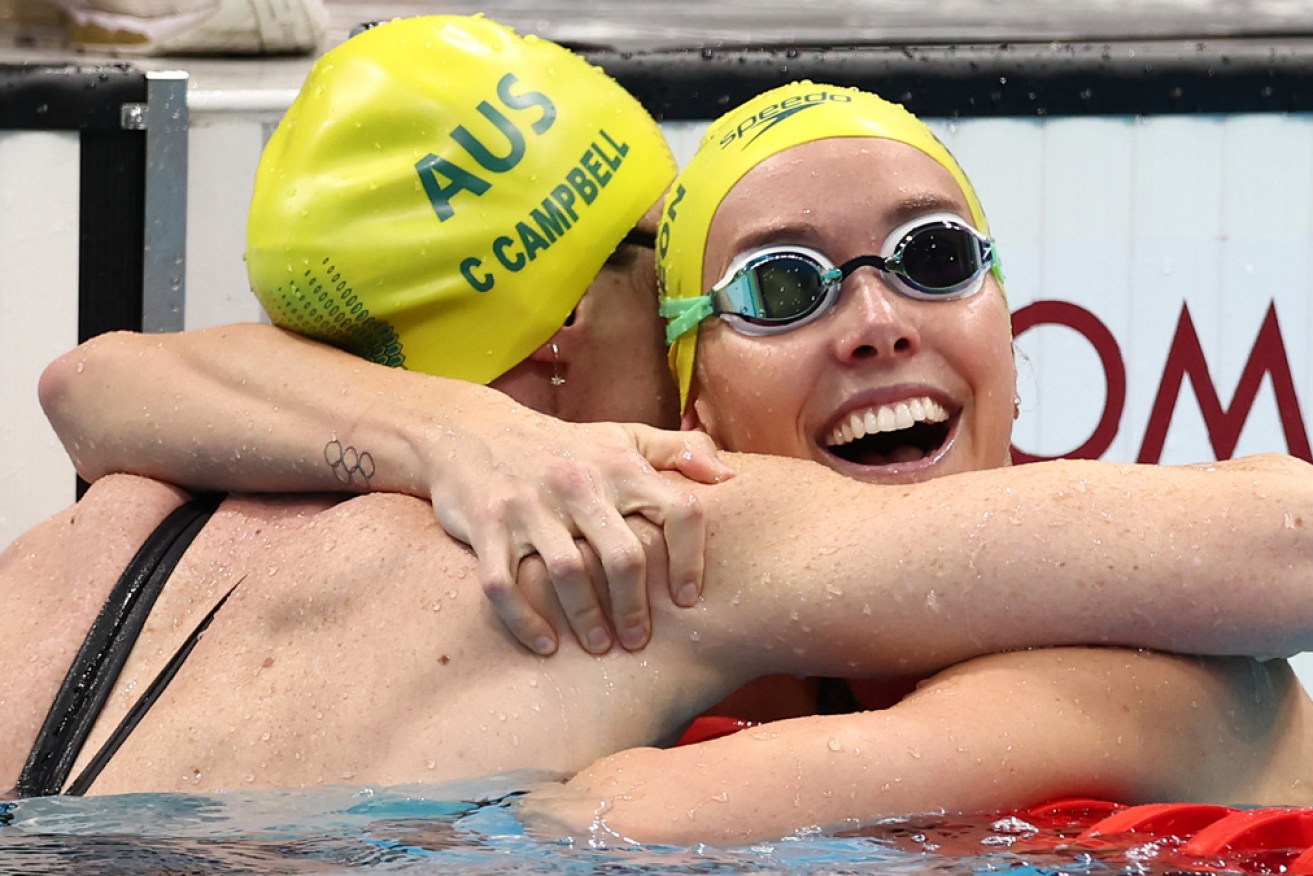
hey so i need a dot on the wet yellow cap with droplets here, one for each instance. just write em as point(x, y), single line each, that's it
point(442, 192)
point(779, 119)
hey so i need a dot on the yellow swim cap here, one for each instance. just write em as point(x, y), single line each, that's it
point(442, 192)
point(738, 141)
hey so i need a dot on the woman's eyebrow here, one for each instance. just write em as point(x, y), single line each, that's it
point(894, 214)
point(925, 202)
point(794, 232)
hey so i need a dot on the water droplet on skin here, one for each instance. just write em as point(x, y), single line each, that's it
point(834, 745)
point(431, 764)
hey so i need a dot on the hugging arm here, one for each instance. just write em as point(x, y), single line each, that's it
point(1003, 732)
point(812, 573)
point(252, 407)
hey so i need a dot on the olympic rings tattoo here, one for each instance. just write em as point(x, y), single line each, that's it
point(347, 462)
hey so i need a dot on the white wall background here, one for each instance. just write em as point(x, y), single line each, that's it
point(39, 191)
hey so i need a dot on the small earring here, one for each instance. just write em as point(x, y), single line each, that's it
point(1016, 406)
point(556, 379)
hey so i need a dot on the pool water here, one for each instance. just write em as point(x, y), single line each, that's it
point(437, 829)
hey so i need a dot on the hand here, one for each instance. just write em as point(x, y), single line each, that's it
point(584, 808)
point(554, 812)
point(547, 482)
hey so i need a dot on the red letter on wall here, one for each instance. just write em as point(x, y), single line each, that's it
point(1080, 320)
point(1186, 357)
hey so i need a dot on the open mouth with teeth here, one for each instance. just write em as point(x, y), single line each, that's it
point(905, 431)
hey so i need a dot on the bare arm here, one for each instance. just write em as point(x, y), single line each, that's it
point(812, 573)
point(252, 407)
point(242, 407)
point(998, 733)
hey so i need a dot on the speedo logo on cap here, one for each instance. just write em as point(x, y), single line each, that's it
point(762, 121)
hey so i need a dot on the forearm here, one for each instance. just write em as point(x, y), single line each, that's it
point(243, 407)
point(851, 579)
point(963, 750)
point(1006, 732)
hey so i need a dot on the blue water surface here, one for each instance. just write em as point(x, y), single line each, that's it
point(464, 828)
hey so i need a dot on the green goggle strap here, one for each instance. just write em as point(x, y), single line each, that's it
point(684, 314)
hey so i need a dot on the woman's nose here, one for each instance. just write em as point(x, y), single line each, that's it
point(872, 320)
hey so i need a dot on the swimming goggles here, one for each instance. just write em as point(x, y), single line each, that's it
point(777, 288)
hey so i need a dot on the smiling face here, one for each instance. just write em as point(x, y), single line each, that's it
point(882, 387)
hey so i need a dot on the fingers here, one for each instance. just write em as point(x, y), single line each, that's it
point(679, 514)
point(692, 454)
point(567, 497)
point(497, 569)
point(686, 542)
point(624, 566)
point(574, 587)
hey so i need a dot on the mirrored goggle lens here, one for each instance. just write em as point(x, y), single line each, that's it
point(787, 287)
point(940, 258)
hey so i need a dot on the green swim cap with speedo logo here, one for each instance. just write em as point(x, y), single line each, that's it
point(738, 141)
point(442, 192)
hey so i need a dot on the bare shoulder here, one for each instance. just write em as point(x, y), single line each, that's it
point(88, 540)
point(334, 540)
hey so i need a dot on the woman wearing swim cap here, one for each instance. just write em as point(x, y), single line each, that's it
point(825, 249)
point(878, 346)
point(441, 196)
point(833, 294)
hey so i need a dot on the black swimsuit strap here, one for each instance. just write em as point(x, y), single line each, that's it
point(147, 699)
point(102, 656)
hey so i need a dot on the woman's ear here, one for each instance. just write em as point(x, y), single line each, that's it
point(560, 347)
point(549, 353)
